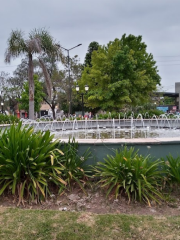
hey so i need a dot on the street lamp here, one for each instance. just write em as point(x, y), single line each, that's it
point(82, 96)
point(70, 89)
point(2, 102)
point(2, 105)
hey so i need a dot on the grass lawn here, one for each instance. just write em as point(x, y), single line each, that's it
point(18, 224)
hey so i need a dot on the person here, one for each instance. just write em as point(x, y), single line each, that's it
point(90, 115)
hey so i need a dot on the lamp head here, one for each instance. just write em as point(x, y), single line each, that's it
point(86, 88)
point(77, 88)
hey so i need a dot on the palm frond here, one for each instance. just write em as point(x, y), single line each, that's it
point(16, 45)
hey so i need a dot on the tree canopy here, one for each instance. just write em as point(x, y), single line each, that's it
point(93, 46)
point(122, 73)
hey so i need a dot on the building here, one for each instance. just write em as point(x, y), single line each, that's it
point(174, 106)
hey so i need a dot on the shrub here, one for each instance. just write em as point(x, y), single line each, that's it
point(115, 115)
point(172, 169)
point(8, 119)
point(156, 112)
point(28, 162)
point(130, 173)
point(74, 168)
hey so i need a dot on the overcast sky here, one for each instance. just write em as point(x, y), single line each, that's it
point(72, 22)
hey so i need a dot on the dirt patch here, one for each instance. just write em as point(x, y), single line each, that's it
point(96, 202)
point(86, 218)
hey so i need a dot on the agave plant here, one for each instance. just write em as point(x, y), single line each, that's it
point(28, 162)
point(132, 174)
point(74, 168)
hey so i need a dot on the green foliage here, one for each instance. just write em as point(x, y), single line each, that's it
point(74, 168)
point(28, 162)
point(8, 119)
point(146, 114)
point(169, 101)
point(172, 168)
point(153, 112)
point(38, 95)
point(132, 174)
point(144, 62)
point(122, 74)
point(93, 46)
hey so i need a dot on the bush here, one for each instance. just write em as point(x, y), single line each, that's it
point(156, 112)
point(128, 172)
point(28, 162)
point(74, 168)
point(8, 119)
point(115, 115)
point(172, 169)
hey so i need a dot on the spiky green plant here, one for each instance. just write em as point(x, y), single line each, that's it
point(28, 162)
point(172, 167)
point(74, 168)
point(131, 174)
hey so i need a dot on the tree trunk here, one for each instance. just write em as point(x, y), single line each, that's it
point(31, 88)
point(53, 111)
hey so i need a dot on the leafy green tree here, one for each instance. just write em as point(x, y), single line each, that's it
point(38, 95)
point(93, 46)
point(122, 73)
point(39, 42)
point(144, 60)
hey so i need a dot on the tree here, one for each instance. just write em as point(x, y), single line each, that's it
point(3, 81)
point(4, 77)
point(144, 61)
point(50, 79)
point(93, 46)
point(39, 42)
point(122, 73)
point(56, 91)
point(38, 95)
point(60, 81)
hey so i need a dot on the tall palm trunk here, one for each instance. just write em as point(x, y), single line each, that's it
point(31, 88)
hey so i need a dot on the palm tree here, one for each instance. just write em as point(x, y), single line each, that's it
point(39, 42)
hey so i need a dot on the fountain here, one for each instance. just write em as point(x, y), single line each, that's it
point(126, 128)
point(155, 136)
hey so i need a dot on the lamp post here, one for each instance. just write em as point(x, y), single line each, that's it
point(2, 102)
point(82, 96)
point(2, 105)
point(70, 89)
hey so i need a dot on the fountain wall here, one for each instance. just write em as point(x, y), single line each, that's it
point(157, 148)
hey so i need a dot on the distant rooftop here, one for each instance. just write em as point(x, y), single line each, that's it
point(170, 94)
point(167, 94)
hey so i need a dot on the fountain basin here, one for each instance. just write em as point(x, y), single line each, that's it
point(156, 147)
